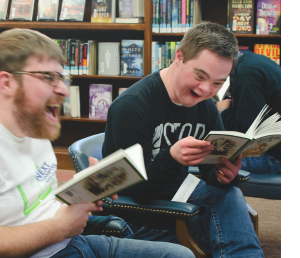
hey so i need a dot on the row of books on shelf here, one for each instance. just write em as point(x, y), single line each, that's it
point(163, 52)
point(125, 58)
point(265, 15)
point(103, 11)
point(100, 99)
point(175, 16)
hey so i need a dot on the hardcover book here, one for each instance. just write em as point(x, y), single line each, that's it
point(72, 10)
point(138, 8)
point(260, 137)
point(74, 101)
point(47, 10)
point(21, 10)
point(130, 20)
point(109, 58)
point(270, 50)
point(92, 54)
point(3, 9)
point(103, 11)
point(241, 16)
point(100, 100)
point(110, 175)
point(132, 58)
point(243, 49)
point(268, 19)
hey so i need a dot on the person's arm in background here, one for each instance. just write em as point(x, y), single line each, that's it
point(247, 101)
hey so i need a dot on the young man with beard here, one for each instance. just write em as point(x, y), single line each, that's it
point(32, 222)
point(169, 113)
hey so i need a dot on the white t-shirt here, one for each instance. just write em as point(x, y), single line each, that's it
point(27, 179)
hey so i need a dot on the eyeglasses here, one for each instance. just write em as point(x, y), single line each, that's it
point(51, 78)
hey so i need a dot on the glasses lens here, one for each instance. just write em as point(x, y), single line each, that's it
point(52, 78)
point(66, 79)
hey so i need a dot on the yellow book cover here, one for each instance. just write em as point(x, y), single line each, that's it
point(270, 50)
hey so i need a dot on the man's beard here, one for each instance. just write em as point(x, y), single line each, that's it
point(34, 125)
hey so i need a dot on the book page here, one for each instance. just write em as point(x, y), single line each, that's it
point(224, 146)
point(135, 153)
point(224, 89)
point(186, 188)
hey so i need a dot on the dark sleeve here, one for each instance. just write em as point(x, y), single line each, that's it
point(129, 122)
point(247, 101)
point(207, 171)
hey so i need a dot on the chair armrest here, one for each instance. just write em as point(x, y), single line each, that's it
point(114, 227)
point(177, 209)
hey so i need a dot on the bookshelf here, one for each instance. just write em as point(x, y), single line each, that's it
point(74, 129)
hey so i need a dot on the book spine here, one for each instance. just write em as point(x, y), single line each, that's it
point(164, 17)
point(163, 56)
point(187, 20)
point(153, 44)
point(69, 53)
point(156, 57)
point(157, 16)
point(80, 71)
point(192, 10)
point(84, 59)
point(168, 54)
point(172, 47)
point(169, 16)
point(77, 53)
point(72, 58)
point(153, 15)
point(179, 15)
point(183, 17)
point(159, 57)
point(174, 16)
point(160, 16)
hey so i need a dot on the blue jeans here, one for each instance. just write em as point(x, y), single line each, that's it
point(94, 246)
point(265, 164)
point(223, 226)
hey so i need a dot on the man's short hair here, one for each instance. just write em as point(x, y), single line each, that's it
point(17, 45)
point(210, 36)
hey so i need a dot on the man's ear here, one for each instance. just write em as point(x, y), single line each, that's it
point(178, 56)
point(7, 84)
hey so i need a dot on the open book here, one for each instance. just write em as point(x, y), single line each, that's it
point(260, 137)
point(114, 173)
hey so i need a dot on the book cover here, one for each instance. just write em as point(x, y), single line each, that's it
point(103, 11)
point(132, 58)
point(114, 173)
point(72, 10)
point(21, 10)
point(241, 16)
point(100, 100)
point(47, 10)
point(268, 17)
point(243, 49)
point(125, 8)
point(109, 58)
point(3, 9)
point(270, 50)
point(260, 137)
point(84, 58)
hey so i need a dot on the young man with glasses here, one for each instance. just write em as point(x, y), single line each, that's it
point(32, 222)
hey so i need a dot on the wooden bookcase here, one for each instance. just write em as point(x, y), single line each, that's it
point(74, 129)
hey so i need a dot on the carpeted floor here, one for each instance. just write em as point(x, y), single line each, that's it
point(269, 225)
point(269, 219)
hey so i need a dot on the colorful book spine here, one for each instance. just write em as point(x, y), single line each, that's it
point(153, 15)
point(160, 15)
point(164, 18)
point(168, 54)
point(84, 59)
point(174, 16)
point(187, 23)
point(157, 16)
point(183, 16)
point(80, 66)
